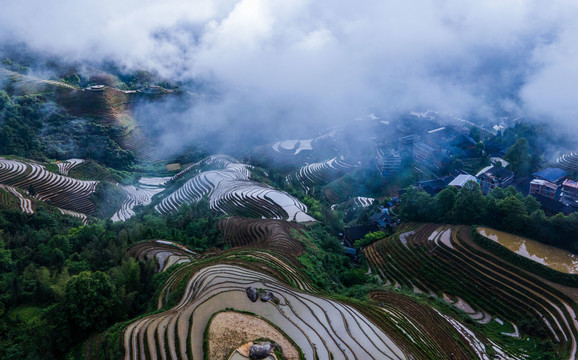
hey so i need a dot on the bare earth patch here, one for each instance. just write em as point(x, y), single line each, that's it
point(229, 330)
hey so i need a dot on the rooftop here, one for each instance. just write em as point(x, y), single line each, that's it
point(408, 139)
point(461, 180)
point(570, 183)
point(436, 130)
point(541, 182)
point(434, 186)
point(553, 206)
point(551, 174)
point(353, 233)
point(424, 147)
point(498, 172)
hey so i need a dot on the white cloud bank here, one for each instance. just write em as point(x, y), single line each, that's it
point(319, 60)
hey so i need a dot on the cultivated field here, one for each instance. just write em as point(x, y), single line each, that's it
point(354, 203)
point(263, 234)
point(230, 191)
point(61, 191)
point(320, 173)
point(320, 327)
point(443, 261)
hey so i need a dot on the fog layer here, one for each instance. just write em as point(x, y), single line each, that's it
point(307, 63)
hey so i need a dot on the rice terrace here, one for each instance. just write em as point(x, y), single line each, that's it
point(269, 180)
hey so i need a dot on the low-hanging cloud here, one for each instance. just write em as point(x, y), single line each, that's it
point(307, 62)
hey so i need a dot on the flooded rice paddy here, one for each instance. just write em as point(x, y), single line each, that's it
point(557, 259)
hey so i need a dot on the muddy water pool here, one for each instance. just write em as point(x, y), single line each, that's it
point(557, 259)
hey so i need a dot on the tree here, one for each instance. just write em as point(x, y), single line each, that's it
point(518, 155)
point(531, 204)
point(497, 193)
point(72, 79)
point(5, 257)
point(353, 277)
point(446, 200)
point(470, 204)
point(89, 300)
point(513, 213)
point(417, 205)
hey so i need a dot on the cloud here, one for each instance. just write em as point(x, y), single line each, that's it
point(308, 63)
point(552, 90)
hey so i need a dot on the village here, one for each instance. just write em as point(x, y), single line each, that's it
point(449, 156)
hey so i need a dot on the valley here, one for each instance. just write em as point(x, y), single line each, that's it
point(372, 239)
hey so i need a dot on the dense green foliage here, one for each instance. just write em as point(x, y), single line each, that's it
point(503, 209)
point(325, 262)
point(528, 145)
point(519, 157)
point(35, 127)
point(79, 279)
point(371, 238)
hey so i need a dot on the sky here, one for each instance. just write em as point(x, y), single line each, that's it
point(316, 63)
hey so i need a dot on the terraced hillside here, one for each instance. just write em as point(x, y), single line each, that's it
point(81, 216)
point(274, 235)
point(61, 191)
point(230, 191)
point(426, 324)
point(293, 147)
point(12, 198)
point(443, 261)
point(218, 160)
point(354, 203)
point(112, 107)
point(393, 327)
point(320, 327)
point(141, 194)
point(568, 161)
point(295, 152)
point(109, 105)
point(65, 166)
point(164, 253)
point(320, 173)
point(297, 147)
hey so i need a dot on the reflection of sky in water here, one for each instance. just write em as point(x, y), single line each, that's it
point(555, 258)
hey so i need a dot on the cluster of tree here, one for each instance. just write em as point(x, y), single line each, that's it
point(527, 144)
point(80, 278)
point(325, 262)
point(35, 127)
point(504, 209)
point(370, 238)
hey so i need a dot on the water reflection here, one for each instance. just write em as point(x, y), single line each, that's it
point(557, 259)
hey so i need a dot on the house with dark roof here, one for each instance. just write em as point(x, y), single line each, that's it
point(353, 233)
point(388, 161)
point(430, 156)
point(434, 186)
point(495, 149)
point(553, 175)
point(382, 219)
point(351, 253)
point(423, 152)
point(495, 177)
point(552, 207)
point(409, 139)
